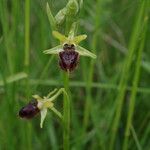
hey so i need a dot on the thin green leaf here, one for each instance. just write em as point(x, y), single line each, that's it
point(50, 17)
point(14, 78)
point(146, 66)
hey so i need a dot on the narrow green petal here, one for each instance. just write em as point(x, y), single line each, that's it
point(43, 115)
point(54, 50)
point(80, 38)
point(84, 52)
point(51, 93)
point(56, 94)
point(56, 112)
point(59, 36)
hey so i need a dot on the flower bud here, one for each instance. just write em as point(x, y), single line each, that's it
point(60, 16)
point(30, 110)
point(72, 8)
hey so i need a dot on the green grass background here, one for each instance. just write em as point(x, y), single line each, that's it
point(110, 95)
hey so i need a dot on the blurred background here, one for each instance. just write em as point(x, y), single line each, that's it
point(110, 95)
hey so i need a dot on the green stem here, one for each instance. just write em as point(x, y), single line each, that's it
point(66, 114)
point(4, 17)
point(26, 65)
point(135, 138)
point(27, 44)
point(134, 90)
point(27, 32)
point(66, 107)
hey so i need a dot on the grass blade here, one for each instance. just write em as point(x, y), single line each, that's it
point(125, 73)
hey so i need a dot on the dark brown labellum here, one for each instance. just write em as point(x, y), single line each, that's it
point(30, 110)
point(68, 58)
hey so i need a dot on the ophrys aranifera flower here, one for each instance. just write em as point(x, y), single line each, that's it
point(40, 105)
point(69, 50)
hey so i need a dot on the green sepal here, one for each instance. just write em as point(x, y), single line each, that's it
point(54, 50)
point(79, 38)
point(62, 38)
point(84, 52)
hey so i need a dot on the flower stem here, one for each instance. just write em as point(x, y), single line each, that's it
point(26, 65)
point(66, 114)
point(27, 33)
point(66, 102)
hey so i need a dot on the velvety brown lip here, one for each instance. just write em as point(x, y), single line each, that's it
point(68, 58)
point(30, 110)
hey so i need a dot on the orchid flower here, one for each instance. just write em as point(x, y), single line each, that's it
point(41, 105)
point(69, 50)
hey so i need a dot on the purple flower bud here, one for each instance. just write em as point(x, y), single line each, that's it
point(30, 110)
point(68, 58)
